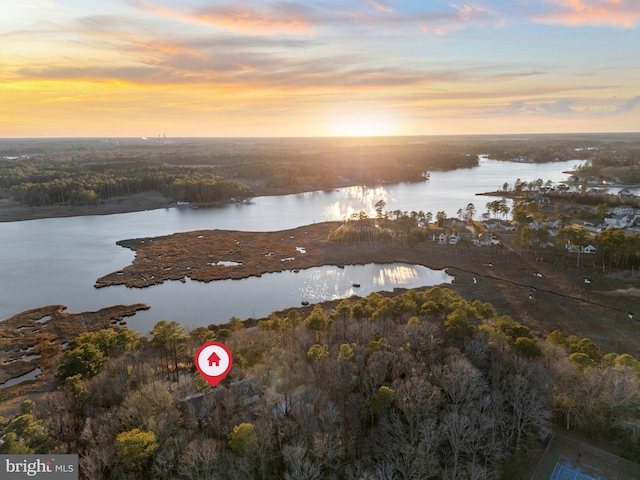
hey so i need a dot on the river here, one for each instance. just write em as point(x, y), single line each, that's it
point(57, 260)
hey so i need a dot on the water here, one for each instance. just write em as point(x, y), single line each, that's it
point(56, 261)
point(22, 378)
point(197, 303)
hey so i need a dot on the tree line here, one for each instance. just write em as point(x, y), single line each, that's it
point(419, 385)
point(38, 183)
point(44, 181)
point(618, 166)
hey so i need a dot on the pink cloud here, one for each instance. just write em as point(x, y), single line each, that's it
point(239, 19)
point(252, 20)
point(615, 13)
point(380, 7)
point(462, 16)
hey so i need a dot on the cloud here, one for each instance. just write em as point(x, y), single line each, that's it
point(161, 62)
point(461, 16)
point(559, 107)
point(516, 75)
point(585, 107)
point(614, 13)
point(137, 75)
point(380, 7)
point(283, 17)
point(629, 105)
point(467, 11)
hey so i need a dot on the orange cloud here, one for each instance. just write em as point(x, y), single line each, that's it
point(615, 13)
point(285, 18)
point(159, 52)
point(244, 20)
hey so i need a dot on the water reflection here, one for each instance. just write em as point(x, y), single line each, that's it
point(357, 199)
point(330, 283)
point(398, 275)
point(22, 378)
point(76, 251)
point(217, 302)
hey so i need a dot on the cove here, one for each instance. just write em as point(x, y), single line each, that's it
point(57, 260)
point(195, 304)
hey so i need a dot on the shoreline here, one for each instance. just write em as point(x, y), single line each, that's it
point(12, 211)
point(536, 291)
point(543, 291)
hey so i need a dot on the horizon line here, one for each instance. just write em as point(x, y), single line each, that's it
point(274, 137)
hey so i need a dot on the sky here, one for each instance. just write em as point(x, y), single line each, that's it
point(255, 68)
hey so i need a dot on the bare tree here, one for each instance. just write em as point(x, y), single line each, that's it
point(200, 460)
point(528, 401)
point(299, 464)
point(457, 427)
point(460, 381)
point(375, 371)
point(408, 448)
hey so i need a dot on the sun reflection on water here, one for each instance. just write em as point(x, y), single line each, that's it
point(357, 199)
point(397, 276)
point(324, 283)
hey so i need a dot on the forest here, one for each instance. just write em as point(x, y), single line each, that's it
point(618, 166)
point(88, 171)
point(38, 183)
point(418, 385)
point(42, 182)
point(209, 170)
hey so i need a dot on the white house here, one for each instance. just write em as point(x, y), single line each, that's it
point(590, 249)
point(444, 239)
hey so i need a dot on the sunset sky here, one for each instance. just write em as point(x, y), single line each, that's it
point(131, 68)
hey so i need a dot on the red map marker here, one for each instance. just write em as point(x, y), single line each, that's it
point(213, 361)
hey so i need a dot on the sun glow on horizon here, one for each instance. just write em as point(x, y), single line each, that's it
point(327, 69)
point(363, 125)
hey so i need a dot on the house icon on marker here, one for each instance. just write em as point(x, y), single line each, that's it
point(214, 358)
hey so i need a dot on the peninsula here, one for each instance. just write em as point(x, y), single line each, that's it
point(538, 289)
